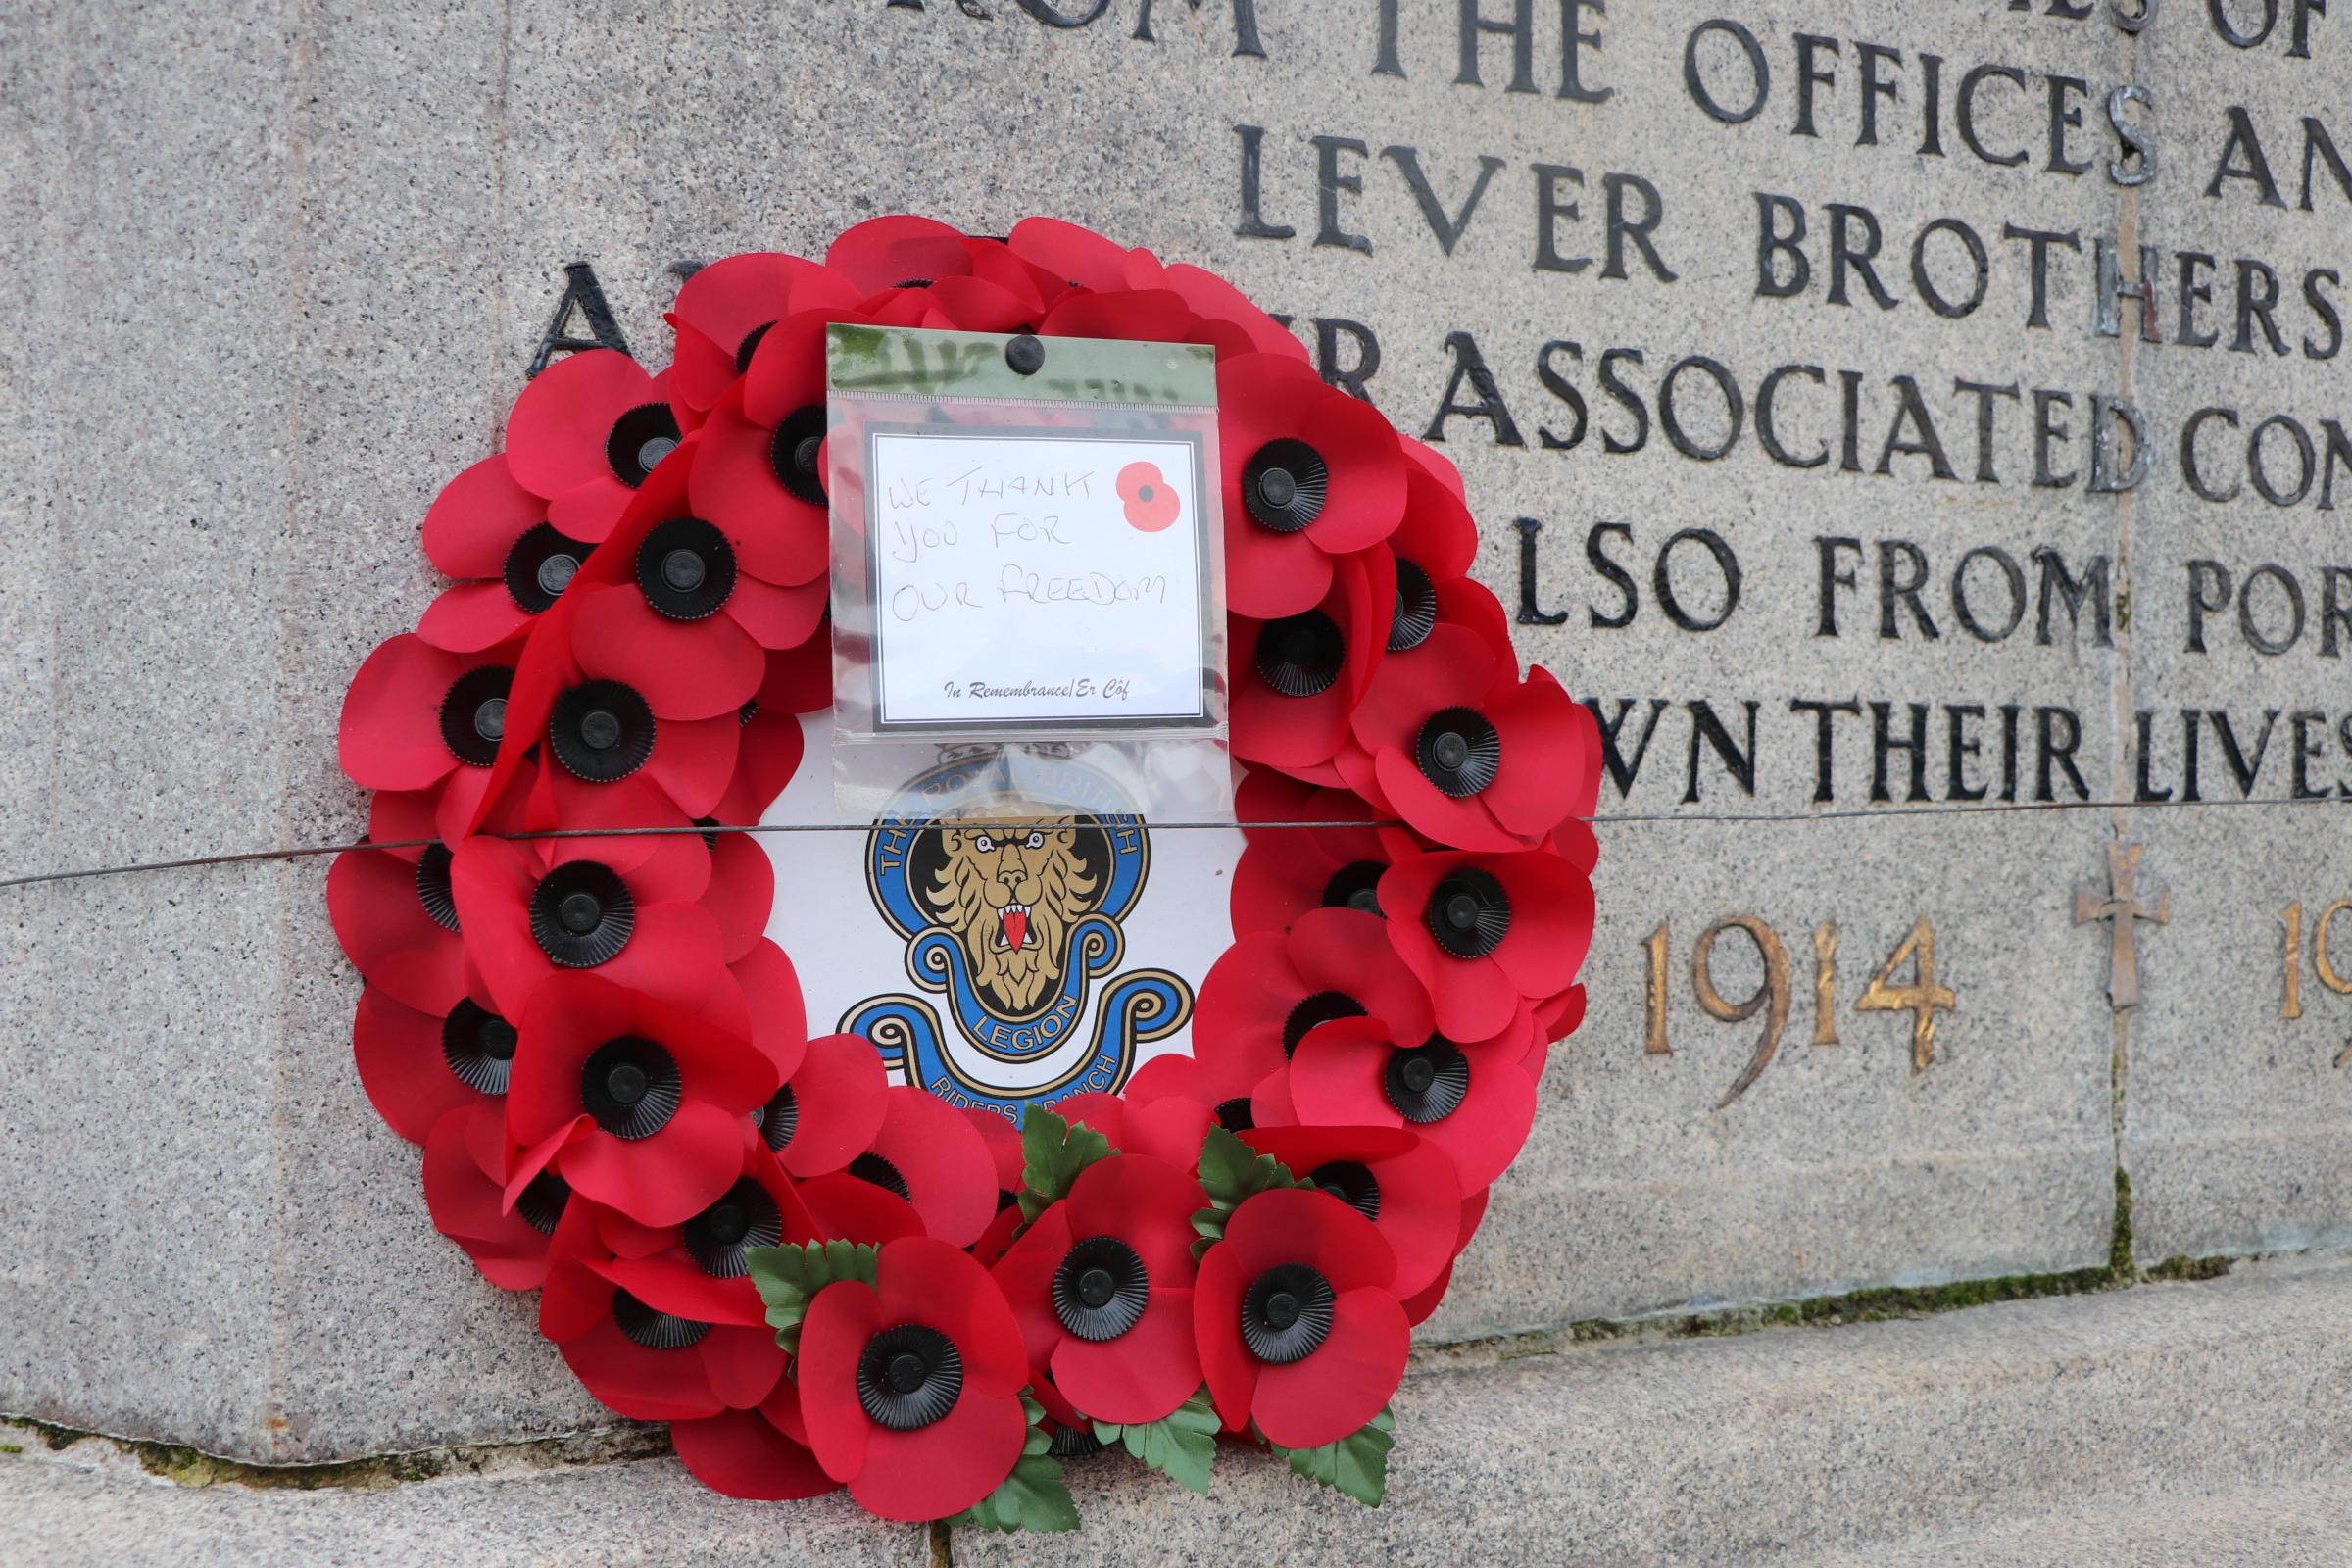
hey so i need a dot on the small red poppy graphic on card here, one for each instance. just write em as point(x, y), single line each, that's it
point(1151, 502)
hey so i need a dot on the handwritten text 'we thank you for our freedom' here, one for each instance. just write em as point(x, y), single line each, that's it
point(1036, 577)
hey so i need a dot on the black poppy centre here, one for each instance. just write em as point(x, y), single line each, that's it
point(1286, 1314)
point(1429, 1082)
point(1101, 1288)
point(721, 1237)
point(1299, 656)
point(601, 731)
point(640, 439)
point(582, 913)
point(794, 453)
point(1311, 1012)
point(1355, 886)
point(479, 1045)
point(630, 1086)
point(909, 1376)
point(540, 566)
point(1460, 750)
point(473, 713)
point(1283, 485)
point(1468, 912)
point(686, 569)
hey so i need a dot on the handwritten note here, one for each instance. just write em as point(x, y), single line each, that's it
point(1036, 577)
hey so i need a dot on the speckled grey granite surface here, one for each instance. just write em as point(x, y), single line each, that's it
point(274, 275)
point(2164, 1424)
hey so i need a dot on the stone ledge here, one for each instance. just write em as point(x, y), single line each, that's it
point(1791, 1446)
point(2161, 1423)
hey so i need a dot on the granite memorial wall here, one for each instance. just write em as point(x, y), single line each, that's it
point(1914, 427)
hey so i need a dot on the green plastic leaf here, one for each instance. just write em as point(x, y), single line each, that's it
point(1357, 1464)
point(1055, 1152)
point(1232, 1172)
point(1182, 1444)
point(788, 1279)
point(1033, 1496)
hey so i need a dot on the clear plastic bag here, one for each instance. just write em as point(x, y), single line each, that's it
point(1027, 562)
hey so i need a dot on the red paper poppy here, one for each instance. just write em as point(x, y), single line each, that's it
point(1148, 316)
point(1291, 862)
point(1470, 756)
point(642, 1361)
point(773, 738)
point(1160, 1125)
point(699, 1271)
point(828, 1109)
point(1487, 934)
point(927, 1154)
point(749, 1454)
point(585, 434)
point(725, 307)
point(419, 717)
point(771, 995)
point(1309, 473)
point(1297, 1327)
point(897, 251)
point(419, 1067)
point(1151, 504)
point(911, 1387)
point(487, 529)
point(622, 906)
point(636, 1104)
point(1295, 680)
point(1474, 1101)
point(395, 914)
point(465, 1189)
point(1265, 993)
point(1400, 1181)
point(761, 476)
point(1101, 1284)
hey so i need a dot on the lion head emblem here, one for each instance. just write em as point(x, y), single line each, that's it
point(1009, 890)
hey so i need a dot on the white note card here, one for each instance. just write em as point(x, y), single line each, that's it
point(1037, 577)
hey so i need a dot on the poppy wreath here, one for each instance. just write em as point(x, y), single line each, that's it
point(823, 1279)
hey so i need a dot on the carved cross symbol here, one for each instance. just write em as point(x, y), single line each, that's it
point(2121, 906)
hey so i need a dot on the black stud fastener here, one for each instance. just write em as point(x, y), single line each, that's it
point(1235, 1114)
point(433, 890)
point(1469, 914)
point(1429, 1082)
point(1100, 1289)
point(686, 569)
point(1324, 1007)
point(779, 1118)
point(1026, 354)
point(656, 1331)
point(1416, 613)
point(630, 1086)
point(601, 730)
point(872, 1167)
point(909, 1376)
point(1284, 485)
point(1460, 750)
point(641, 438)
point(1285, 1314)
point(540, 566)
point(541, 1203)
point(479, 1045)
point(1355, 886)
point(1351, 1184)
point(473, 713)
point(718, 1237)
point(582, 913)
point(793, 452)
point(1299, 656)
